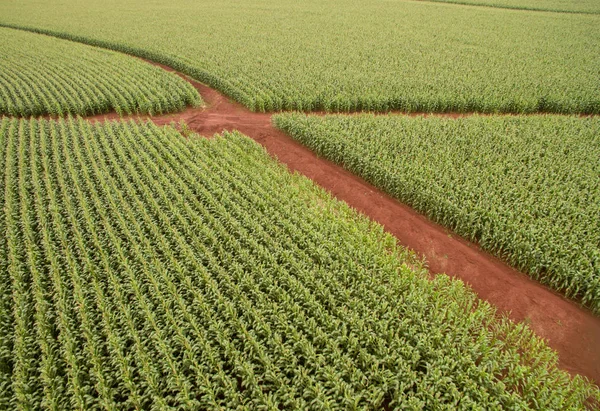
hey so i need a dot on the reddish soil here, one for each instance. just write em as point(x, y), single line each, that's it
point(571, 330)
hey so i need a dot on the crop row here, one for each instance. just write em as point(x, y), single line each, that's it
point(44, 75)
point(145, 270)
point(524, 188)
point(347, 56)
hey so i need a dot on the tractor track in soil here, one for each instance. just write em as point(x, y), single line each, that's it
point(570, 329)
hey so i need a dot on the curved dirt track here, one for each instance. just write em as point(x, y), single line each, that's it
point(571, 330)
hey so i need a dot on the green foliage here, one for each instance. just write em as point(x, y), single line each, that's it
point(348, 55)
point(147, 270)
point(560, 6)
point(44, 75)
point(525, 188)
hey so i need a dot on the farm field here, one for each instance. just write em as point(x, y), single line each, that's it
point(186, 223)
point(142, 268)
point(524, 188)
point(412, 56)
point(561, 6)
point(42, 75)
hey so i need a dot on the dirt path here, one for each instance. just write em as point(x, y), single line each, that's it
point(570, 329)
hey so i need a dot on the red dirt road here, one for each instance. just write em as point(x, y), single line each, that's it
point(571, 330)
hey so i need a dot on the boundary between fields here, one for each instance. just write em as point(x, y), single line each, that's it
point(507, 7)
point(196, 73)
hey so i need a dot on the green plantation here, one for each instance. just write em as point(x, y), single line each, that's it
point(377, 56)
point(44, 75)
point(559, 6)
point(524, 188)
point(144, 270)
point(149, 264)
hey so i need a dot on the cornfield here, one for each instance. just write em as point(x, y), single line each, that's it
point(344, 56)
point(559, 6)
point(41, 75)
point(525, 188)
point(141, 269)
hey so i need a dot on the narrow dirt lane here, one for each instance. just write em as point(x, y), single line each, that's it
point(571, 330)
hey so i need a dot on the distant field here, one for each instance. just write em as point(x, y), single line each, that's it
point(525, 188)
point(562, 6)
point(144, 269)
point(45, 75)
point(415, 56)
